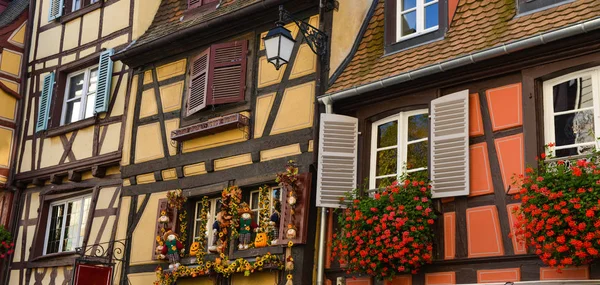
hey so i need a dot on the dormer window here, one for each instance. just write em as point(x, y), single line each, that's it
point(411, 23)
point(526, 6)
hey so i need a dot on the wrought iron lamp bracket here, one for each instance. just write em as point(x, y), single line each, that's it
point(315, 38)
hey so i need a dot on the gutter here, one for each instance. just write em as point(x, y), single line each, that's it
point(471, 58)
point(192, 31)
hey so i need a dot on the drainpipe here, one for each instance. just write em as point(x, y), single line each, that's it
point(323, 225)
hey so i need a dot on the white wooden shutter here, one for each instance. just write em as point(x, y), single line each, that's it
point(198, 83)
point(450, 145)
point(338, 145)
point(105, 70)
point(44, 103)
point(56, 9)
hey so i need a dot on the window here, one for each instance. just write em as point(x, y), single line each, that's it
point(413, 22)
point(78, 4)
point(66, 224)
point(416, 17)
point(525, 6)
point(198, 3)
point(274, 201)
point(214, 206)
point(57, 7)
point(80, 95)
point(398, 144)
point(217, 76)
point(570, 105)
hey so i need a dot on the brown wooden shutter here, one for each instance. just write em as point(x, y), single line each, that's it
point(301, 211)
point(198, 82)
point(172, 214)
point(227, 72)
point(194, 3)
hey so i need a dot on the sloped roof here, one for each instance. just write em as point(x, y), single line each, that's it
point(13, 11)
point(476, 25)
point(168, 18)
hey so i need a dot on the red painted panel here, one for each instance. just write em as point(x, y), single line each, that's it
point(511, 158)
point(484, 237)
point(575, 273)
point(449, 235)
point(359, 281)
point(400, 280)
point(518, 246)
point(440, 278)
point(475, 122)
point(505, 105)
point(92, 275)
point(479, 165)
point(499, 275)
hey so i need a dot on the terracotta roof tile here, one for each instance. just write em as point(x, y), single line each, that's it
point(476, 25)
point(168, 18)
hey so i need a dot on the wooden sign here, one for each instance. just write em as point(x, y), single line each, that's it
point(210, 127)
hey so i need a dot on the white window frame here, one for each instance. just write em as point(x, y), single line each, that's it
point(209, 220)
point(548, 95)
point(82, 219)
point(76, 7)
point(271, 199)
point(84, 96)
point(401, 146)
point(420, 19)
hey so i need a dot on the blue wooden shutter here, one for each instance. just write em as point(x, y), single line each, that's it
point(44, 103)
point(105, 68)
point(56, 9)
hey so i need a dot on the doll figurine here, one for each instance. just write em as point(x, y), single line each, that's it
point(216, 228)
point(246, 226)
point(274, 227)
point(172, 249)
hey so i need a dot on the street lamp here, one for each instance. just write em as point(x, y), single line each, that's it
point(279, 41)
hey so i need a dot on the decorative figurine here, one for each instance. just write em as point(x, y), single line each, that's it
point(260, 240)
point(289, 263)
point(172, 249)
point(290, 233)
point(216, 228)
point(246, 226)
point(274, 227)
point(159, 250)
point(163, 217)
point(194, 248)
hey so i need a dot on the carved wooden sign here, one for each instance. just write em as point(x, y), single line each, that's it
point(209, 127)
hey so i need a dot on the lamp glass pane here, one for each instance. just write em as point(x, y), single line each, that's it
point(272, 46)
point(287, 45)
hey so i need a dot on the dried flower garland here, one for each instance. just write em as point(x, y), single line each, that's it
point(202, 225)
point(559, 210)
point(289, 181)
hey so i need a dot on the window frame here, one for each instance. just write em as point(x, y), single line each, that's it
point(209, 222)
point(548, 106)
point(84, 97)
point(420, 6)
point(401, 145)
point(271, 199)
point(82, 222)
point(395, 44)
point(524, 8)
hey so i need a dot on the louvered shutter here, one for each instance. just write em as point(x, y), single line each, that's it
point(227, 72)
point(44, 103)
point(198, 83)
point(105, 69)
point(56, 9)
point(336, 173)
point(450, 145)
point(194, 3)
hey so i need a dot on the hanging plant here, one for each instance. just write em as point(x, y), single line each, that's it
point(7, 246)
point(387, 234)
point(559, 216)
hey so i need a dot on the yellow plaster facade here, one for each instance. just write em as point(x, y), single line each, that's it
point(297, 109)
point(171, 125)
point(141, 244)
point(126, 151)
point(345, 28)
point(305, 63)
point(170, 96)
point(232, 161)
point(71, 39)
point(111, 141)
point(267, 74)
point(53, 150)
point(83, 143)
point(119, 17)
point(143, 15)
point(148, 105)
point(91, 26)
point(170, 70)
point(169, 174)
point(14, 86)
point(194, 169)
point(145, 178)
point(18, 36)
point(196, 281)
point(210, 141)
point(148, 145)
point(280, 152)
point(8, 105)
point(6, 136)
point(10, 62)
point(255, 278)
point(264, 104)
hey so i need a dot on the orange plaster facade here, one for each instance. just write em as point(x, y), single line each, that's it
point(577, 273)
point(440, 278)
point(505, 105)
point(499, 275)
point(483, 232)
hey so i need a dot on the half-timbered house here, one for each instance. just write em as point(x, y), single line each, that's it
point(74, 106)
point(478, 88)
point(208, 112)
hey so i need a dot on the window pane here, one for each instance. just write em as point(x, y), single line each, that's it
point(431, 16)
point(387, 134)
point(93, 80)
point(574, 128)
point(383, 182)
point(75, 86)
point(89, 105)
point(254, 200)
point(72, 223)
point(387, 162)
point(416, 155)
point(76, 4)
point(418, 127)
point(408, 4)
point(584, 149)
point(86, 210)
point(573, 94)
point(409, 23)
point(73, 110)
point(56, 225)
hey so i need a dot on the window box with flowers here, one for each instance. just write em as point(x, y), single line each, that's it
point(558, 216)
point(7, 246)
